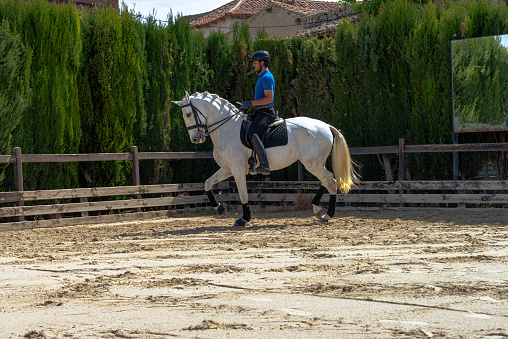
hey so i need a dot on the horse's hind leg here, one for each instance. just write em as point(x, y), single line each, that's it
point(318, 210)
point(327, 183)
point(215, 178)
point(331, 208)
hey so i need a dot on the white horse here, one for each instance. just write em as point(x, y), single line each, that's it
point(309, 140)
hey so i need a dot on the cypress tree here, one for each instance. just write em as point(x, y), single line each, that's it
point(219, 60)
point(361, 88)
point(51, 124)
point(315, 71)
point(15, 61)
point(115, 74)
point(157, 100)
point(427, 54)
point(242, 69)
point(190, 73)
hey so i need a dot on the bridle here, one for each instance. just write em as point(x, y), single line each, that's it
point(203, 127)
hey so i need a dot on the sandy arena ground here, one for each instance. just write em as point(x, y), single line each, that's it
point(386, 274)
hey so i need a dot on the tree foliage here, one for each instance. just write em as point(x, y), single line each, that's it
point(15, 61)
point(103, 81)
point(51, 123)
point(480, 71)
point(114, 70)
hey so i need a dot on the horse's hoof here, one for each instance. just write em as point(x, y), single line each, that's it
point(222, 210)
point(318, 211)
point(240, 223)
point(325, 218)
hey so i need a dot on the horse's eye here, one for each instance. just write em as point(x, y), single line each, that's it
point(187, 115)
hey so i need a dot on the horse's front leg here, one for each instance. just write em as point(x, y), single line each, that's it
point(241, 184)
point(218, 176)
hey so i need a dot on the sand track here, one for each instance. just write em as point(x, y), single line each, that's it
point(387, 274)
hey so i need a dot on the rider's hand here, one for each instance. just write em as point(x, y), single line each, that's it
point(246, 105)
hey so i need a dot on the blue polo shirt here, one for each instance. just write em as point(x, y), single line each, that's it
point(266, 82)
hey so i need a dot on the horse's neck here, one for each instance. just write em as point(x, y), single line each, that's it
point(212, 112)
point(215, 114)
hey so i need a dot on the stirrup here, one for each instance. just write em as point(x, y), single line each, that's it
point(252, 164)
point(262, 169)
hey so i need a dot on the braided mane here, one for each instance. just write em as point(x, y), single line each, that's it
point(223, 101)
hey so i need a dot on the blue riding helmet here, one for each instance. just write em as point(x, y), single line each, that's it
point(260, 56)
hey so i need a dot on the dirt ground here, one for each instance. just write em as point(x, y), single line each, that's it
point(384, 274)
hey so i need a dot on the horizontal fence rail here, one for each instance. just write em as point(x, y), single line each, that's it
point(30, 158)
point(473, 194)
point(51, 208)
point(157, 200)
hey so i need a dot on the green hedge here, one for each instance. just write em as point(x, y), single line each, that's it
point(103, 80)
point(51, 123)
point(15, 61)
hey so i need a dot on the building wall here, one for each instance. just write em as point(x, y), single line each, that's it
point(225, 25)
point(278, 22)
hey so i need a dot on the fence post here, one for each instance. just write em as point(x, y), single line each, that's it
point(455, 139)
point(135, 171)
point(301, 170)
point(18, 178)
point(81, 200)
point(402, 166)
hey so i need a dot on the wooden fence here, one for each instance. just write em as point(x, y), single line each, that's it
point(382, 194)
point(89, 205)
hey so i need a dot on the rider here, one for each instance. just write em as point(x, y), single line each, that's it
point(264, 112)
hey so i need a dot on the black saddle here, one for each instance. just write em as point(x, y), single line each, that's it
point(273, 136)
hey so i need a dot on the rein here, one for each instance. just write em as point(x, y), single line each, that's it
point(203, 127)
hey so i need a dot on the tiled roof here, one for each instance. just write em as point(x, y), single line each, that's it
point(234, 8)
point(296, 9)
point(317, 6)
point(248, 8)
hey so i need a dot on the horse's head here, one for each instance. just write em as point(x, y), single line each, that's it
point(194, 119)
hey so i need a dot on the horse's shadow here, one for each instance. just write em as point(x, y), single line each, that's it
point(208, 229)
point(211, 229)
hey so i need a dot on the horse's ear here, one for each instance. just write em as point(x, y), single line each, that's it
point(179, 103)
point(187, 97)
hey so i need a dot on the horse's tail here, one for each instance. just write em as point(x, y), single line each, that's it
point(343, 169)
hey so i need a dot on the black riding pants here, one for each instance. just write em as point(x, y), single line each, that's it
point(262, 118)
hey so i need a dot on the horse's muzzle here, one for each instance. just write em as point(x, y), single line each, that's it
point(199, 140)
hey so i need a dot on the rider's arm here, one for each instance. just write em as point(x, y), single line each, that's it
point(268, 99)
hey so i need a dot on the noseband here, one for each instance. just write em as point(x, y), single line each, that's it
point(202, 128)
point(196, 113)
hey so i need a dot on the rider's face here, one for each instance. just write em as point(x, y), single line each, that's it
point(257, 66)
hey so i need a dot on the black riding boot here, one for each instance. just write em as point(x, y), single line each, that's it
point(259, 148)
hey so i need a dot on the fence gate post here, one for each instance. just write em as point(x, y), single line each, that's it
point(18, 178)
point(455, 138)
point(402, 166)
point(301, 171)
point(135, 171)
